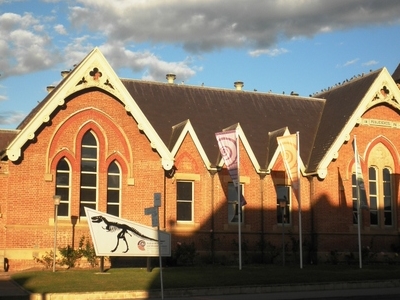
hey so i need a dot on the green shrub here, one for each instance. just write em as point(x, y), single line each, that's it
point(69, 256)
point(185, 254)
point(46, 260)
point(87, 250)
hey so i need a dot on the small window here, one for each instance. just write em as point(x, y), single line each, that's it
point(113, 189)
point(63, 186)
point(184, 201)
point(283, 204)
point(233, 206)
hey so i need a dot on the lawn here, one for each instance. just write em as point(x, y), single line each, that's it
point(120, 279)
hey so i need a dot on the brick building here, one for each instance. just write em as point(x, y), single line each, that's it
point(110, 144)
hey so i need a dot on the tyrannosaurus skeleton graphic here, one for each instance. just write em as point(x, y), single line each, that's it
point(122, 228)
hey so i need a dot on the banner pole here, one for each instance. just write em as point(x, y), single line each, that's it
point(299, 201)
point(358, 203)
point(239, 203)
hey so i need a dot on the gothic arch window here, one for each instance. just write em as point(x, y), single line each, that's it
point(380, 182)
point(113, 189)
point(63, 186)
point(89, 172)
point(373, 195)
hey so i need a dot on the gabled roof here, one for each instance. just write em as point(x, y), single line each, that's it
point(167, 112)
point(210, 110)
point(6, 136)
point(396, 74)
point(93, 72)
point(345, 104)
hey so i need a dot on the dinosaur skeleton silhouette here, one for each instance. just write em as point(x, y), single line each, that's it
point(122, 228)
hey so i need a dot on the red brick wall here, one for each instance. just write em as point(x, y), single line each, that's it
point(27, 191)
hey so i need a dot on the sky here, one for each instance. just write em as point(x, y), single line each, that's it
point(276, 46)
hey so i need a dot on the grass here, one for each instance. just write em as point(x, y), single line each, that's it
point(120, 279)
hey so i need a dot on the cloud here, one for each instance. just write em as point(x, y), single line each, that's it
point(348, 63)
point(269, 52)
point(11, 117)
point(370, 63)
point(154, 67)
point(193, 26)
point(60, 29)
point(207, 25)
point(24, 47)
point(351, 62)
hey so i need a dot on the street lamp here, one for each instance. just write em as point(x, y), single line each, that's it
point(282, 205)
point(57, 200)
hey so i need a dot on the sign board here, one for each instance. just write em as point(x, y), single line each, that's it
point(113, 236)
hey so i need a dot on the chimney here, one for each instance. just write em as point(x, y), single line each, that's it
point(239, 85)
point(49, 88)
point(171, 77)
point(64, 74)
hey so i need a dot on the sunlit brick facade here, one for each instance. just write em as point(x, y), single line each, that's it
point(88, 132)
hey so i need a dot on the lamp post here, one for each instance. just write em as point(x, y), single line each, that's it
point(57, 200)
point(282, 205)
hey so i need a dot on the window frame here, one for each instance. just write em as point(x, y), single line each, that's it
point(84, 173)
point(111, 187)
point(181, 203)
point(232, 199)
point(67, 187)
point(286, 213)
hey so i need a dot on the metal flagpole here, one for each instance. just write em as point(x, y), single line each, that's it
point(358, 203)
point(299, 200)
point(239, 203)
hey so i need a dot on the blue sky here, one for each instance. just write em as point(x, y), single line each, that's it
point(270, 45)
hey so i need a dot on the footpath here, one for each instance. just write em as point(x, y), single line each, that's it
point(10, 290)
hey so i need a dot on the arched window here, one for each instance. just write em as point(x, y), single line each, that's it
point(89, 173)
point(113, 189)
point(373, 196)
point(63, 186)
point(387, 197)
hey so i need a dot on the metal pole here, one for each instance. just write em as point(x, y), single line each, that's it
point(283, 235)
point(159, 257)
point(299, 200)
point(55, 236)
point(358, 203)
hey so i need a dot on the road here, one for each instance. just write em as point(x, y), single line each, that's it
point(353, 294)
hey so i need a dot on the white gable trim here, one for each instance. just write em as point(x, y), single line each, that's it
point(246, 145)
point(81, 78)
point(188, 129)
point(277, 153)
point(369, 100)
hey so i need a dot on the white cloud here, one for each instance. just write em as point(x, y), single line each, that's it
point(23, 50)
point(208, 25)
point(60, 29)
point(11, 117)
point(269, 52)
point(154, 67)
point(370, 63)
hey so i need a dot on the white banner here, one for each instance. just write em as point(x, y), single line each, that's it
point(113, 236)
point(227, 143)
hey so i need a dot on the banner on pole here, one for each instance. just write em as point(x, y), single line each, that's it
point(227, 143)
point(362, 194)
point(289, 150)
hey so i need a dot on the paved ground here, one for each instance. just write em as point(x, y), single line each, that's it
point(9, 290)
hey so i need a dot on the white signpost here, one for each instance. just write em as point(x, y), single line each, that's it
point(113, 236)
